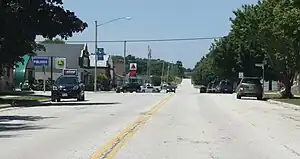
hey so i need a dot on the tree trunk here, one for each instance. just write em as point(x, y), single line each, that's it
point(288, 82)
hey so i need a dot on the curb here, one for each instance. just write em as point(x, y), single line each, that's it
point(285, 105)
point(33, 103)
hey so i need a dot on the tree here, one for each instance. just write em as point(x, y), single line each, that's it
point(264, 31)
point(179, 69)
point(22, 21)
point(54, 41)
point(282, 27)
point(156, 66)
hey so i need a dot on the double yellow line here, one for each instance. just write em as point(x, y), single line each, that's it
point(109, 150)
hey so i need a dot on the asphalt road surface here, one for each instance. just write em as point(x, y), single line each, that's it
point(152, 126)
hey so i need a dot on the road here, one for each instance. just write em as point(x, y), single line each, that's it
point(147, 126)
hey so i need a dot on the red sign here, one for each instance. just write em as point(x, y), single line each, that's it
point(132, 73)
point(132, 67)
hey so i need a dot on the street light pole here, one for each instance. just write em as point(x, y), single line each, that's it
point(96, 47)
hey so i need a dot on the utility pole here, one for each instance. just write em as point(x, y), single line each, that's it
point(168, 73)
point(149, 63)
point(124, 56)
point(162, 72)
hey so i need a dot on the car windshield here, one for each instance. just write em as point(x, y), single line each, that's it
point(67, 80)
point(251, 81)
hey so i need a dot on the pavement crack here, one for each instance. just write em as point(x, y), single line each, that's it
point(290, 149)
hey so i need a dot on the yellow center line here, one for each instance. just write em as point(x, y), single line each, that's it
point(110, 149)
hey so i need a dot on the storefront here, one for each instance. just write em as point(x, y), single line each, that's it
point(24, 71)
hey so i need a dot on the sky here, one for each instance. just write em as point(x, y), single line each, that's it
point(156, 19)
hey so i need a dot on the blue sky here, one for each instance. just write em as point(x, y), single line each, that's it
point(156, 19)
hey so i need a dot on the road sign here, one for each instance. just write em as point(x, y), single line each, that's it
point(40, 61)
point(100, 54)
point(70, 72)
point(133, 66)
point(60, 63)
point(241, 74)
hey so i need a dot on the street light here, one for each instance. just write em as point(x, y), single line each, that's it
point(96, 47)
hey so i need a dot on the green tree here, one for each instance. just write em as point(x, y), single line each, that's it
point(156, 66)
point(280, 34)
point(102, 78)
point(53, 41)
point(22, 21)
point(264, 31)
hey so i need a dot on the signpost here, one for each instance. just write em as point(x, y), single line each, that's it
point(42, 62)
point(100, 54)
point(262, 65)
point(73, 72)
point(60, 63)
point(133, 66)
point(241, 74)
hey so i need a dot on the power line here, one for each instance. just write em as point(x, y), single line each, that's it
point(143, 40)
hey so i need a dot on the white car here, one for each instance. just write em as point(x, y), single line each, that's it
point(147, 89)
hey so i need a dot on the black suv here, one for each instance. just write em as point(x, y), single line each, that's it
point(225, 86)
point(66, 87)
point(171, 88)
point(129, 87)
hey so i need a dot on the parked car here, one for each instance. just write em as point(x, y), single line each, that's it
point(225, 86)
point(203, 89)
point(212, 87)
point(147, 89)
point(129, 87)
point(250, 87)
point(66, 87)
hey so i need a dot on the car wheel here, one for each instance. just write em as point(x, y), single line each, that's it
point(143, 91)
point(82, 98)
point(238, 97)
point(259, 97)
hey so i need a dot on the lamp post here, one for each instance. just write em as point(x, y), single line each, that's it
point(96, 47)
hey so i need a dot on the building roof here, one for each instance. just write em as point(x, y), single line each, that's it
point(65, 50)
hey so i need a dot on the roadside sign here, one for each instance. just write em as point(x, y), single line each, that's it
point(241, 74)
point(133, 66)
point(100, 54)
point(40, 61)
point(70, 72)
point(60, 63)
